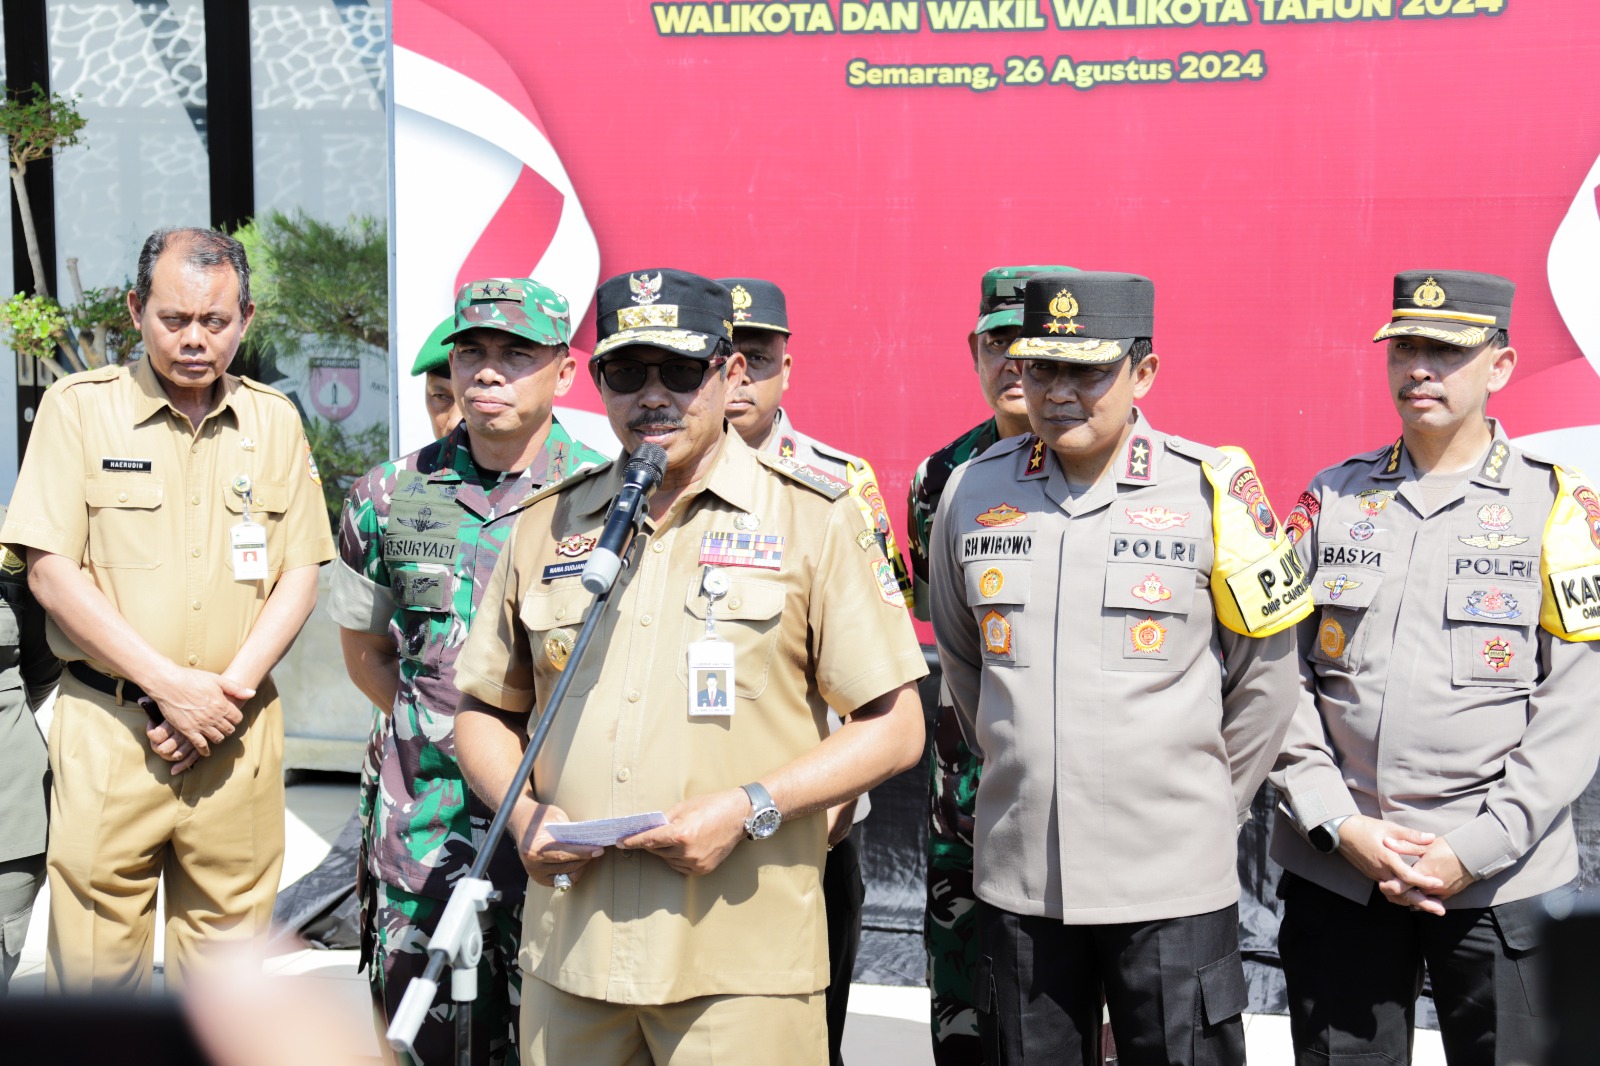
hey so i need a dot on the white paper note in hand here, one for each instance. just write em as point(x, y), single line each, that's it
point(604, 832)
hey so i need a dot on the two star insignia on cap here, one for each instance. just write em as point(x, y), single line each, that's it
point(1063, 305)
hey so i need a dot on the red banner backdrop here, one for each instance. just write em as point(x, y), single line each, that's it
point(1269, 163)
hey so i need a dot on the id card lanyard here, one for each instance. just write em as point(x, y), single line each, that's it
point(248, 538)
point(711, 681)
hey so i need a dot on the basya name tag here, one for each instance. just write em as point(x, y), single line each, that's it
point(761, 550)
point(137, 466)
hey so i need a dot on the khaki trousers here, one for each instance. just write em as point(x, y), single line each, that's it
point(120, 823)
point(559, 1029)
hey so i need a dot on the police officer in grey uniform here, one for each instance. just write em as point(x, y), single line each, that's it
point(1448, 719)
point(1114, 609)
point(28, 671)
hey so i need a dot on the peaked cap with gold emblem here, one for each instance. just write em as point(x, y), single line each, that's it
point(1455, 307)
point(757, 304)
point(1088, 317)
point(519, 306)
point(679, 312)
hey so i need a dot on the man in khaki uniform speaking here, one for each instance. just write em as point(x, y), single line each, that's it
point(1114, 610)
point(689, 943)
point(173, 524)
point(1449, 716)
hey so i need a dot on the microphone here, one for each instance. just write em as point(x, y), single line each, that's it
point(639, 479)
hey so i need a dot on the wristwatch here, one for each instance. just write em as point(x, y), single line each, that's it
point(764, 817)
point(1325, 837)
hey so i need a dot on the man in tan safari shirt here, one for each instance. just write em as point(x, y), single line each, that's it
point(688, 943)
point(173, 524)
point(1448, 717)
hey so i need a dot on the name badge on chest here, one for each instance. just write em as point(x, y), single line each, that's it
point(247, 539)
point(711, 658)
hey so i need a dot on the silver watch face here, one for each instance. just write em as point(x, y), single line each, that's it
point(764, 823)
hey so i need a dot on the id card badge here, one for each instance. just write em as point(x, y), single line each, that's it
point(249, 551)
point(711, 678)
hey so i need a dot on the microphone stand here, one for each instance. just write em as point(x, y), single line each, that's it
point(457, 941)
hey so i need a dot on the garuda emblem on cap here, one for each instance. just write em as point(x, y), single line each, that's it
point(1063, 305)
point(646, 290)
point(741, 303)
point(1428, 294)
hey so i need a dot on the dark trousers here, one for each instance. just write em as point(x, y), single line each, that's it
point(842, 894)
point(1354, 972)
point(1175, 989)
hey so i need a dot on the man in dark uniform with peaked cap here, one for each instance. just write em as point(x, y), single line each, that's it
point(1448, 719)
point(1114, 610)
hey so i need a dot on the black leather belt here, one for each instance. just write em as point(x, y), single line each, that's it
point(122, 690)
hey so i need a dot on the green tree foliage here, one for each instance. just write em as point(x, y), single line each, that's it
point(323, 289)
point(318, 284)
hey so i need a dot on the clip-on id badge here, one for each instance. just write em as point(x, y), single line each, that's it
point(248, 539)
point(711, 658)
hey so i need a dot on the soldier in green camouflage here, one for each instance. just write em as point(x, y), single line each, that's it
point(418, 539)
point(949, 929)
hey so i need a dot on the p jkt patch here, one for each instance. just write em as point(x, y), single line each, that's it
point(1576, 595)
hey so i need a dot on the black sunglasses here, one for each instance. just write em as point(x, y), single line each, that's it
point(677, 375)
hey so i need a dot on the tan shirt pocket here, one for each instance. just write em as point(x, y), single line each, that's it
point(126, 528)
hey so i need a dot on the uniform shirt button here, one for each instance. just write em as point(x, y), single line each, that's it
point(195, 500)
point(195, 552)
point(623, 774)
point(195, 605)
point(122, 497)
point(561, 612)
point(733, 604)
point(633, 697)
point(658, 547)
point(193, 659)
point(644, 620)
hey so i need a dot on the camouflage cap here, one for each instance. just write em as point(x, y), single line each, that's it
point(519, 306)
point(673, 310)
point(1456, 307)
point(757, 304)
point(435, 353)
point(1087, 317)
point(1000, 302)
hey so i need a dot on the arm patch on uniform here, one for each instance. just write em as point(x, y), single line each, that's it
point(1576, 594)
point(1270, 589)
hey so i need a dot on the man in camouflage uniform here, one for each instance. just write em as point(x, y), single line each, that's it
point(761, 334)
point(418, 538)
point(948, 930)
